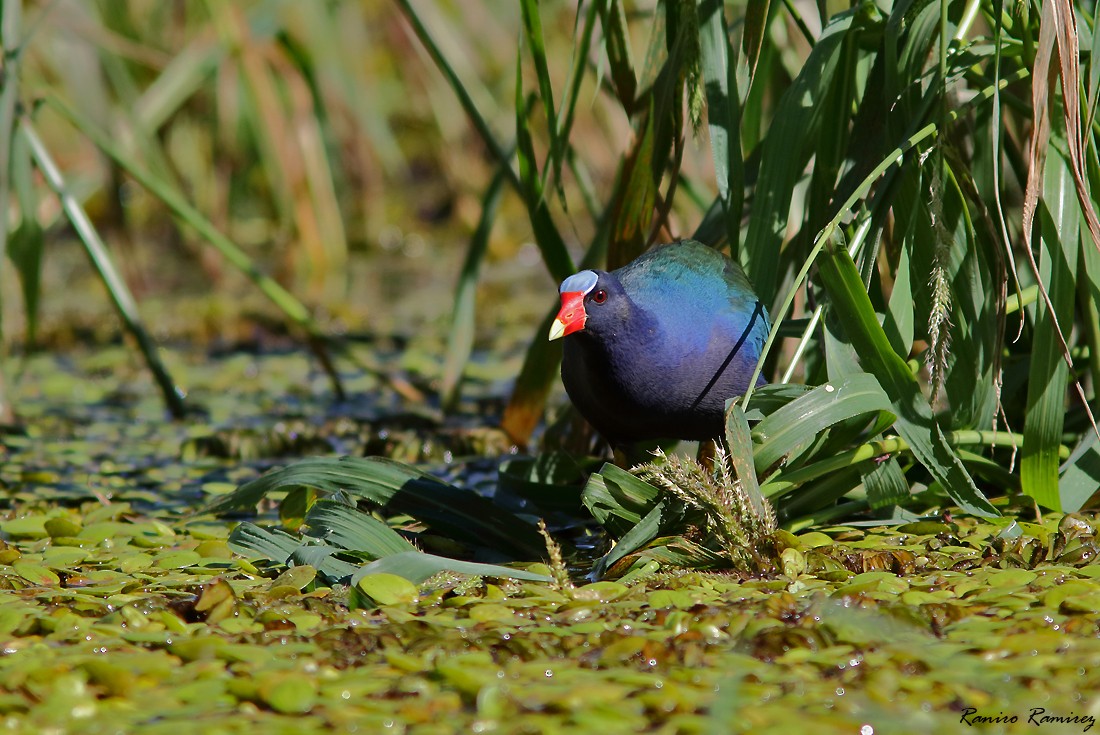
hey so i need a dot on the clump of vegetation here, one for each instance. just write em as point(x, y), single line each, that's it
point(741, 524)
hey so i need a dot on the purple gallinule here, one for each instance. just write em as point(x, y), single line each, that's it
point(654, 349)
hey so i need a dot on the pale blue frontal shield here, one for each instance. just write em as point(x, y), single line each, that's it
point(584, 282)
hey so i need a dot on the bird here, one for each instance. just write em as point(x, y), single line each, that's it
point(654, 349)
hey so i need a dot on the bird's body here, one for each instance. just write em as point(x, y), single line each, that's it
point(654, 349)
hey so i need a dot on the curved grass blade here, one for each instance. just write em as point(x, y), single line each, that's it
point(354, 530)
point(799, 422)
point(915, 422)
point(119, 292)
point(618, 499)
point(417, 567)
point(640, 534)
point(449, 510)
point(282, 548)
point(885, 484)
point(464, 98)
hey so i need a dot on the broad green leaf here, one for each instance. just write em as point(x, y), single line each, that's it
point(416, 567)
point(799, 422)
point(915, 422)
point(36, 574)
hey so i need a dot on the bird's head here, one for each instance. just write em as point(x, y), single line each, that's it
point(585, 296)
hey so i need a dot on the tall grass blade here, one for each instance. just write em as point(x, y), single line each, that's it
point(286, 302)
point(460, 338)
point(547, 237)
point(1048, 373)
point(1049, 37)
point(1069, 72)
point(576, 75)
point(456, 85)
point(739, 441)
point(617, 46)
point(532, 31)
point(10, 39)
point(26, 243)
point(915, 422)
point(785, 153)
point(723, 114)
point(183, 77)
point(756, 27)
point(119, 292)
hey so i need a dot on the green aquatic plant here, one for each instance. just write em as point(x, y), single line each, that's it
point(741, 524)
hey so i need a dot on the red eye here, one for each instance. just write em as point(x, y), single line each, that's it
point(600, 296)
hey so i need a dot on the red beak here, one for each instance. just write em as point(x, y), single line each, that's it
point(571, 317)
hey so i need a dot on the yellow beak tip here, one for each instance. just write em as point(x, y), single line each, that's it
point(557, 330)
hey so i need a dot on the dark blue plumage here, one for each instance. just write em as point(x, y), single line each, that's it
point(654, 349)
